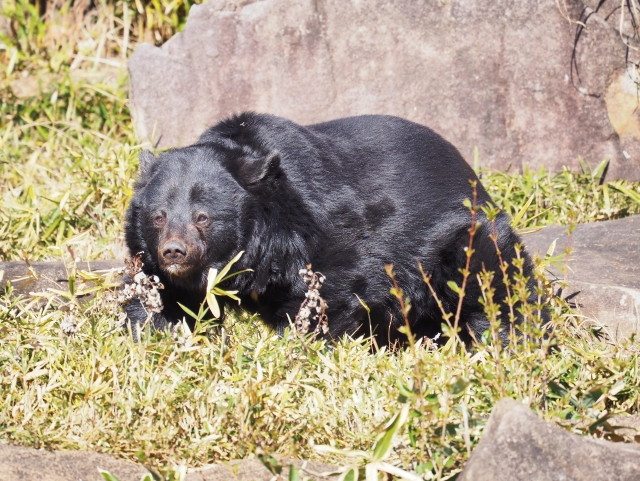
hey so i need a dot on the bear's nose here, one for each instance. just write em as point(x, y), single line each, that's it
point(174, 251)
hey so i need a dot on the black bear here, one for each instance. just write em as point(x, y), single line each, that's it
point(347, 196)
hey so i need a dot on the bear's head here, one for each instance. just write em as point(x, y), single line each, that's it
point(190, 209)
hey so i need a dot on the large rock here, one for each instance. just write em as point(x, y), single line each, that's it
point(602, 272)
point(497, 74)
point(36, 277)
point(624, 427)
point(25, 464)
point(18, 463)
point(519, 446)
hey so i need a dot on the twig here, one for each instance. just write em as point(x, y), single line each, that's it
point(469, 252)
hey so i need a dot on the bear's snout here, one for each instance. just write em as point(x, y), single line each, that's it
point(174, 251)
point(180, 256)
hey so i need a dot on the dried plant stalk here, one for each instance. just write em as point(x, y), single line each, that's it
point(313, 308)
point(144, 287)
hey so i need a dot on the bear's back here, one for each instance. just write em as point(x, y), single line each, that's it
point(346, 163)
point(380, 154)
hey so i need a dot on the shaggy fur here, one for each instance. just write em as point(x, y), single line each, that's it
point(347, 196)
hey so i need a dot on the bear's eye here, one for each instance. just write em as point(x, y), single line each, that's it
point(202, 219)
point(159, 221)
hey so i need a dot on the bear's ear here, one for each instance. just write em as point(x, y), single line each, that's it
point(147, 159)
point(256, 172)
point(270, 165)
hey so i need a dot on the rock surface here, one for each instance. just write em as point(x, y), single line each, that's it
point(602, 272)
point(518, 446)
point(254, 470)
point(18, 463)
point(624, 427)
point(41, 276)
point(497, 74)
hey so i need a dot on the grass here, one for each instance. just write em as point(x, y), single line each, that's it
point(215, 395)
point(70, 379)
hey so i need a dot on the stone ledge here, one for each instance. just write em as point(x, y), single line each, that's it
point(518, 446)
point(602, 272)
point(18, 463)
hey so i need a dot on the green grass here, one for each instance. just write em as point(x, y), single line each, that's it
point(67, 159)
point(565, 198)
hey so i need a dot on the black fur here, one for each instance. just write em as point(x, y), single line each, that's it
point(347, 196)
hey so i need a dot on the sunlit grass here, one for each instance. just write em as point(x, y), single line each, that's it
point(215, 395)
point(562, 198)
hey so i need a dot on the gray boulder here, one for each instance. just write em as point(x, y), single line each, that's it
point(34, 277)
point(602, 272)
point(497, 74)
point(624, 427)
point(27, 464)
point(519, 446)
point(18, 463)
